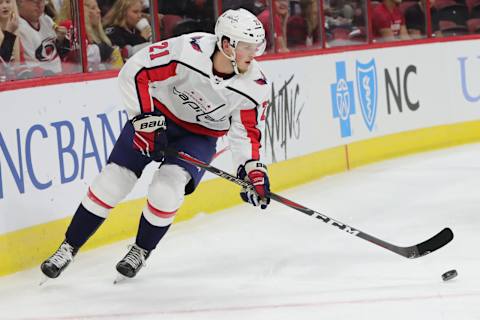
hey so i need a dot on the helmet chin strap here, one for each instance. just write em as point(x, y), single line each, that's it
point(231, 58)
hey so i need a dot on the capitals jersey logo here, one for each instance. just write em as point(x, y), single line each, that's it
point(194, 43)
point(261, 81)
point(46, 51)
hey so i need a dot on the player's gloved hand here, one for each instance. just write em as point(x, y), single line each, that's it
point(256, 173)
point(150, 138)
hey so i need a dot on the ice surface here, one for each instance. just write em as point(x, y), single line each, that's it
point(281, 264)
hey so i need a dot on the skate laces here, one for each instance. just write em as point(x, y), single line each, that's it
point(136, 256)
point(62, 256)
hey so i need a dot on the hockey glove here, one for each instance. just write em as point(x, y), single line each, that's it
point(256, 173)
point(150, 138)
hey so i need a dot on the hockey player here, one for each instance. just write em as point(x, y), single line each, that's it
point(182, 93)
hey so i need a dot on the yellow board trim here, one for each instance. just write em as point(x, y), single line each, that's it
point(395, 145)
point(27, 247)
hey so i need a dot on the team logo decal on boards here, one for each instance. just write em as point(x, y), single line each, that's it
point(366, 75)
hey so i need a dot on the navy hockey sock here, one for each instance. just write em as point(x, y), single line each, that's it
point(83, 226)
point(148, 235)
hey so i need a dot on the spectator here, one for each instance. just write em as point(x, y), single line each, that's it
point(359, 19)
point(202, 12)
point(416, 22)
point(185, 16)
point(43, 41)
point(105, 6)
point(388, 22)
point(254, 6)
point(358, 35)
point(101, 53)
point(188, 25)
point(71, 61)
point(57, 6)
point(303, 29)
point(338, 13)
point(168, 23)
point(279, 25)
point(121, 27)
point(345, 22)
point(177, 7)
point(451, 18)
point(9, 43)
point(64, 12)
point(171, 14)
point(51, 10)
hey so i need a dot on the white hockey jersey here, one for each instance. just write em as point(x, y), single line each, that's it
point(175, 76)
point(39, 45)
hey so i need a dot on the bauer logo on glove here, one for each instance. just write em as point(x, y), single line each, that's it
point(150, 138)
point(150, 123)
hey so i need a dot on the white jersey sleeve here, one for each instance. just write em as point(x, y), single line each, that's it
point(246, 133)
point(248, 122)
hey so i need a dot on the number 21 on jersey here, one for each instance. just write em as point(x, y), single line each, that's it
point(158, 50)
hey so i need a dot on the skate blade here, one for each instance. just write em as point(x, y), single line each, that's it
point(119, 278)
point(43, 280)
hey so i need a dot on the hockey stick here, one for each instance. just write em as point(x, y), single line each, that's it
point(416, 251)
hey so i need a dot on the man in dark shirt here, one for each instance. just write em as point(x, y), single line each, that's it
point(416, 22)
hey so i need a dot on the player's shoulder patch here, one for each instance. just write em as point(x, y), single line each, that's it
point(195, 48)
point(254, 84)
point(195, 43)
point(256, 75)
point(200, 42)
point(262, 80)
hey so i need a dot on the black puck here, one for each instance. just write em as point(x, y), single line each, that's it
point(449, 275)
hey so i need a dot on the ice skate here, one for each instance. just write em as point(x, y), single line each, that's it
point(133, 261)
point(53, 266)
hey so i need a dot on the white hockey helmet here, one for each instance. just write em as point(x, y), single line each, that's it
point(240, 26)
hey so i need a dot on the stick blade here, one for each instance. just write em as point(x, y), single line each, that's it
point(434, 243)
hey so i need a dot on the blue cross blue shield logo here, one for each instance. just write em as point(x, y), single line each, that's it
point(343, 102)
point(367, 91)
